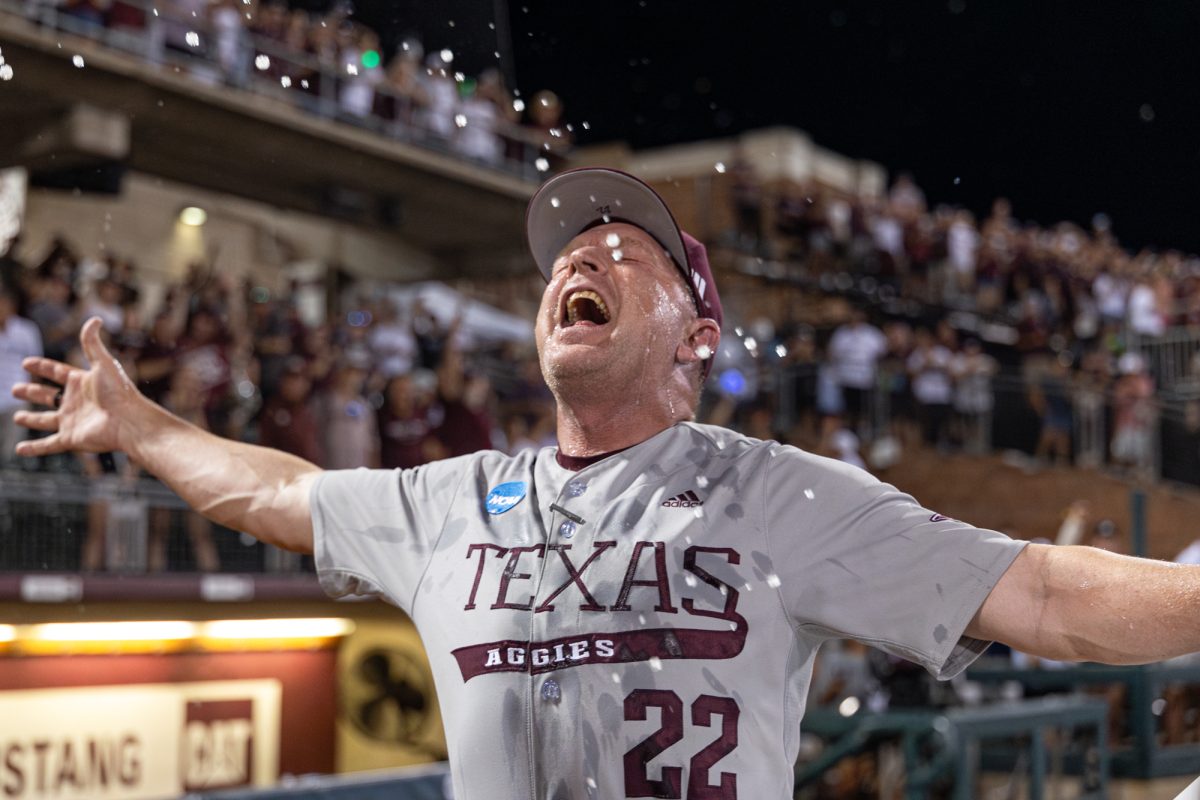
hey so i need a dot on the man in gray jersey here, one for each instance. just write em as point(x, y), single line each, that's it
point(634, 613)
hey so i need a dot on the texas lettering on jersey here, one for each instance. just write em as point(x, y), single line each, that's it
point(508, 655)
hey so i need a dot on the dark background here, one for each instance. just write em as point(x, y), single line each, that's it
point(1067, 108)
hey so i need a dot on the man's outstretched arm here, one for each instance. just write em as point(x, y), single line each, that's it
point(257, 490)
point(1086, 604)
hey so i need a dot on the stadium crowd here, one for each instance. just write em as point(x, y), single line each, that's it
point(1078, 310)
point(332, 61)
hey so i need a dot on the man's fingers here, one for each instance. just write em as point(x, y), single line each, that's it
point(38, 393)
point(93, 348)
point(49, 369)
point(37, 420)
point(40, 447)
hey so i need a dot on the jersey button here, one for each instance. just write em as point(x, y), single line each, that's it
point(567, 529)
point(551, 691)
point(576, 488)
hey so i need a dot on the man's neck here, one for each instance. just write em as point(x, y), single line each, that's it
point(588, 429)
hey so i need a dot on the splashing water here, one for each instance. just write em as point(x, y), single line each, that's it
point(460, 120)
point(542, 165)
point(77, 60)
point(555, 202)
point(655, 663)
point(720, 167)
point(192, 38)
point(6, 72)
point(612, 240)
point(285, 82)
point(262, 61)
point(617, 255)
point(773, 581)
point(809, 493)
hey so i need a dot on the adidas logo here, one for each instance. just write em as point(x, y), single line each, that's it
point(686, 500)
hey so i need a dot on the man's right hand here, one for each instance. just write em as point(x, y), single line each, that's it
point(96, 403)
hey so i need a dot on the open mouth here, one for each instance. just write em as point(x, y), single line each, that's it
point(585, 307)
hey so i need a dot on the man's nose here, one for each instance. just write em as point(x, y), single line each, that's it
point(589, 259)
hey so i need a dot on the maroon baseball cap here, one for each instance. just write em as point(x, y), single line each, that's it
point(578, 199)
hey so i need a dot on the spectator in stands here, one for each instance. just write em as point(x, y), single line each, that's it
point(361, 72)
point(441, 98)
point(477, 120)
point(973, 370)
point(1133, 414)
point(1050, 397)
point(287, 421)
point(392, 344)
point(546, 124)
point(400, 97)
point(466, 420)
point(406, 424)
point(929, 369)
point(19, 339)
point(854, 352)
point(346, 419)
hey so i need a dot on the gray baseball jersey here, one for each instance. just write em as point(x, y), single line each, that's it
point(645, 626)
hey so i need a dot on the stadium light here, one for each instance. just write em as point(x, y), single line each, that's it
point(193, 216)
point(112, 631)
point(56, 638)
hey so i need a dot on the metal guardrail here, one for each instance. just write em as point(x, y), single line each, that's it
point(946, 746)
point(68, 522)
point(1145, 684)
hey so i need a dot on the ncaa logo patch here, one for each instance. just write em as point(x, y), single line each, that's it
point(504, 496)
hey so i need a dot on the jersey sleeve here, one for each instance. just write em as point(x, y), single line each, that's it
point(374, 531)
point(857, 558)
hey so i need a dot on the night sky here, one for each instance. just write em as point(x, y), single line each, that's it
point(1067, 108)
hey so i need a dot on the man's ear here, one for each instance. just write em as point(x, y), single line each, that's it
point(701, 343)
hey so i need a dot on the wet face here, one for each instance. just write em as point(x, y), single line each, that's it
point(614, 312)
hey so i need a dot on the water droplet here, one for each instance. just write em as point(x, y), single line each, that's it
point(518, 104)
point(554, 201)
point(809, 493)
point(690, 580)
point(192, 38)
point(77, 60)
point(304, 83)
point(773, 581)
point(591, 782)
point(957, 180)
point(542, 164)
point(262, 61)
point(616, 677)
point(617, 255)
point(285, 82)
point(551, 691)
point(6, 72)
point(459, 77)
point(698, 512)
point(641, 619)
point(351, 69)
point(1146, 112)
point(567, 529)
point(720, 167)
point(655, 663)
point(460, 120)
point(586, 126)
point(612, 240)
point(447, 55)
point(450, 23)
